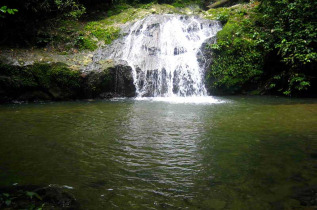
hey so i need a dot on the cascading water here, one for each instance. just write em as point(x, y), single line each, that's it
point(162, 51)
point(166, 54)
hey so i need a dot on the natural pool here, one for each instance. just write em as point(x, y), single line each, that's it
point(244, 153)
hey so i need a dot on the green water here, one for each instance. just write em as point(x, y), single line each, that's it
point(247, 153)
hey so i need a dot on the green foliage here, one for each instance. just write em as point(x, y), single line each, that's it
point(5, 198)
point(31, 200)
point(32, 194)
point(271, 48)
point(290, 30)
point(6, 10)
point(117, 9)
point(71, 7)
point(237, 60)
point(176, 3)
point(293, 28)
point(103, 32)
point(84, 43)
point(223, 18)
point(184, 3)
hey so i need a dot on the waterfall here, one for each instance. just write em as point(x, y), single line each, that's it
point(162, 51)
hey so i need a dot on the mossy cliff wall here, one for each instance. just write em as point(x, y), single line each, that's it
point(57, 81)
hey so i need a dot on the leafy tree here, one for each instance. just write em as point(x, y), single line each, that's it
point(6, 10)
point(290, 31)
point(271, 47)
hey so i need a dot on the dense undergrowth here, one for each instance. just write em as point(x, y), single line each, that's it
point(265, 48)
point(237, 59)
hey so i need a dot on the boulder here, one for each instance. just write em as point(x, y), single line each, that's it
point(204, 55)
point(114, 81)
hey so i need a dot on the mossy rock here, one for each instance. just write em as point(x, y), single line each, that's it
point(115, 80)
point(40, 81)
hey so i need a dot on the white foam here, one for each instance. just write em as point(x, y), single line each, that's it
point(183, 100)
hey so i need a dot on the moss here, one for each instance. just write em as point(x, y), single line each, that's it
point(238, 58)
point(86, 43)
point(55, 80)
point(184, 3)
point(102, 32)
point(97, 82)
point(62, 37)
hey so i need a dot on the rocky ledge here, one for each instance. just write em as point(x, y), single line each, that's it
point(58, 81)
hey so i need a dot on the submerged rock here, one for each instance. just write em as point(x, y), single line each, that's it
point(307, 196)
point(32, 196)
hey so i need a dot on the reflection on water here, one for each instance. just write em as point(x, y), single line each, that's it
point(251, 153)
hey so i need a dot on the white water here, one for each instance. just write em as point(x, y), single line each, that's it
point(184, 100)
point(162, 51)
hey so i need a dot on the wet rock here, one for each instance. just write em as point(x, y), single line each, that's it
point(58, 197)
point(122, 80)
point(107, 95)
point(164, 89)
point(114, 81)
point(34, 96)
point(98, 184)
point(152, 51)
point(176, 81)
point(151, 80)
point(32, 196)
point(193, 27)
point(179, 50)
point(298, 178)
point(313, 155)
point(307, 196)
point(152, 26)
point(204, 55)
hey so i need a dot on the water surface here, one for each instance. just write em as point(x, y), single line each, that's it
point(243, 153)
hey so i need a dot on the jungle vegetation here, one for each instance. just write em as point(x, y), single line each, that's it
point(265, 47)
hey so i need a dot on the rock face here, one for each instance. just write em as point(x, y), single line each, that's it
point(204, 55)
point(114, 81)
point(59, 82)
point(122, 80)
